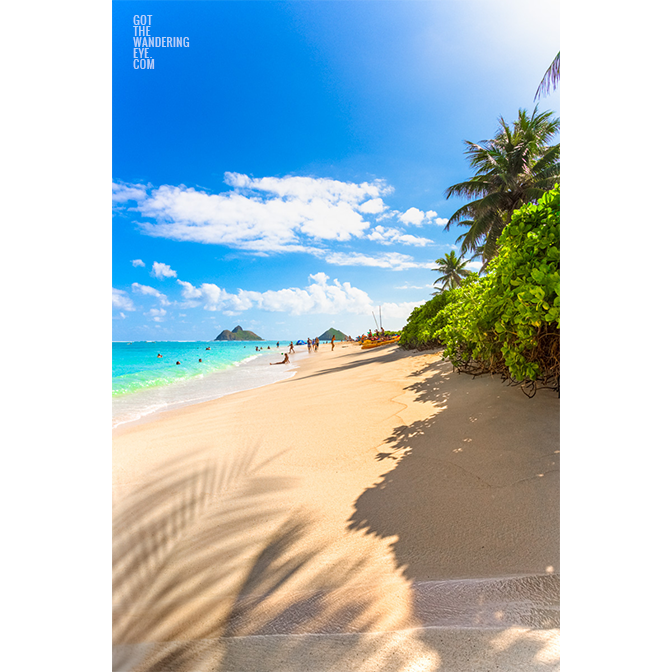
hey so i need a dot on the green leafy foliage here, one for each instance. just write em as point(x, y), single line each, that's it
point(459, 324)
point(508, 321)
point(419, 330)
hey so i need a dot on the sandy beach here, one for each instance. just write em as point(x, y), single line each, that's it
point(377, 511)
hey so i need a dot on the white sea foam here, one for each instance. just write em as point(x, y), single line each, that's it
point(251, 373)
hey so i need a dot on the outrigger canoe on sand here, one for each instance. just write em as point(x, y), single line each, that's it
point(374, 344)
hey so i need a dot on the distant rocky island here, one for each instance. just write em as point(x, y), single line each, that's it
point(340, 336)
point(238, 334)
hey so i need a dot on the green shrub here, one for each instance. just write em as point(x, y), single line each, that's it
point(458, 326)
point(419, 331)
point(507, 321)
point(524, 299)
point(512, 325)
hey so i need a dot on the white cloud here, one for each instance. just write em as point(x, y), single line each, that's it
point(373, 207)
point(400, 310)
point(320, 297)
point(281, 214)
point(393, 260)
point(138, 262)
point(121, 300)
point(417, 217)
point(441, 221)
point(189, 291)
point(150, 291)
point(156, 314)
point(264, 215)
point(122, 192)
point(387, 236)
point(311, 188)
point(249, 222)
point(412, 216)
point(160, 270)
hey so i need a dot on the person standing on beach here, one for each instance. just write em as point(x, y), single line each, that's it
point(310, 345)
point(333, 338)
point(316, 344)
point(291, 347)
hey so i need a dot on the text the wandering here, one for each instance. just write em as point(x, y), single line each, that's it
point(143, 41)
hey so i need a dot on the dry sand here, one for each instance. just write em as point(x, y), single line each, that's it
point(377, 511)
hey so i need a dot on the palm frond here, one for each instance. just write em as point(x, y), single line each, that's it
point(551, 78)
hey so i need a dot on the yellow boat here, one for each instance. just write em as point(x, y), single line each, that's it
point(375, 344)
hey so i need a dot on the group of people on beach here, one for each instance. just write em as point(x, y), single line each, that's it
point(313, 345)
point(378, 334)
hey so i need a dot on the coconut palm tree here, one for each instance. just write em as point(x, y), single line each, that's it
point(515, 167)
point(452, 269)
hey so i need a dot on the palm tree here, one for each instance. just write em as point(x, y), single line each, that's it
point(551, 78)
point(515, 167)
point(452, 269)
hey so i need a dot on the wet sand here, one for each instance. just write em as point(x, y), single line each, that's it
point(377, 511)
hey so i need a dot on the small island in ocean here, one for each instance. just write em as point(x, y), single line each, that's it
point(238, 334)
point(326, 336)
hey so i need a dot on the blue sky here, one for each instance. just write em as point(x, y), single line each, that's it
point(286, 171)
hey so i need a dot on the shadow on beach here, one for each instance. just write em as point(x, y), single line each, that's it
point(475, 487)
point(383, 355)
point(210, 573)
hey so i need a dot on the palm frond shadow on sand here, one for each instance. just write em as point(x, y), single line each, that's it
point(204, 558)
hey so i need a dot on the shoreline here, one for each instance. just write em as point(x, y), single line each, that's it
point(171, 406)
point(375, 491)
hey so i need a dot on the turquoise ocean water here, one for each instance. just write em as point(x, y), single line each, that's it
point(143, 383)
